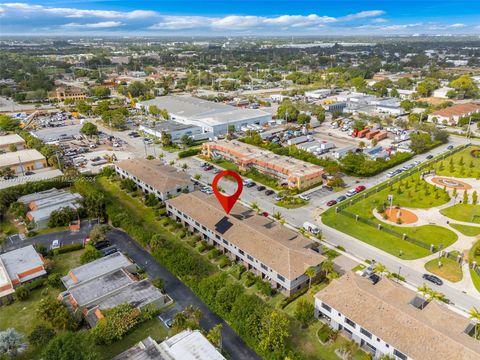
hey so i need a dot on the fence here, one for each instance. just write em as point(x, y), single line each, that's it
point(341, 209)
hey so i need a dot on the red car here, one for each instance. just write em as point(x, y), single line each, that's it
point(265, 214)
point(208, 168)
point(360, 188)
point(331, 202)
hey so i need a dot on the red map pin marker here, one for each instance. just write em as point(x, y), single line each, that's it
point(227, 202)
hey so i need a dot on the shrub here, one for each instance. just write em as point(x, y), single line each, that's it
point(238, 269)
point(213, 253)
point(224, 261)
point(201, 246)
point(22, 293)
point(188, 152)
point(182, 233)
point(159, 283)
point(41, 335)
point(293, 297)
point(54, 281)
point(248, 278)
point(264, 287)
point(68, 248)
point(90, 254)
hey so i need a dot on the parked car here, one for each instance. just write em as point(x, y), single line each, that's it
point(351, 192)
point(261, 187)
point(278, 198)
point(102, 244)
point(433, 279)
point(208, 168)
point(217, 170)
point(269, 192)
point(360, 188)
point(109, 251)
point(265, 214)
point(331, 202)
point(250, 184)
point(28, 173)
point(429, 157)
point(304, 197)
point(450, 147)
point(55, 244)
point(341, 198)
point(203, 164)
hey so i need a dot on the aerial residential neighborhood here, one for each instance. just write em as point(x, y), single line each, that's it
point(240, 180)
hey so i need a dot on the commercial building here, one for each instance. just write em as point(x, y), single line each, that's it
point(43, 203)
point(386, 318)
point(214, 118)
point(7, 142)
point(292, 172)
point(22, 161)
point(67, 93)
point(186, 345)
point(19, 266)
point(274, 252)
point(153, 177)
point(452, 114)
point(318, 94)
point(174, 129)
point(104, 284)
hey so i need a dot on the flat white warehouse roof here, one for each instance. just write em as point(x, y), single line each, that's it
point(208, 112)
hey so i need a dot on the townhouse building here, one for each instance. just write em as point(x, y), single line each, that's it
point(452, 114)
point(153, 177)
point(386, 318)
point(289, 171)
point(270, 250)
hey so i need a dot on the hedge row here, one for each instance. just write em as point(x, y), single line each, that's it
point(189, 152)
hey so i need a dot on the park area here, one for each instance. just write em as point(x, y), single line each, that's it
point(432, 209)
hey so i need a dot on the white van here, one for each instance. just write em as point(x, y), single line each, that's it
point(311, 228)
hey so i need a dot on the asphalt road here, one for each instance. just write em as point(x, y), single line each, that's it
point(179, 292)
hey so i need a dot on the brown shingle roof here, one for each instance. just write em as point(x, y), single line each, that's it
point(457, 110)
point(154, 173)
point(384, 310)
point(281, 249)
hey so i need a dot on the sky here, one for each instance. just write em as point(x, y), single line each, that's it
point(240, 17)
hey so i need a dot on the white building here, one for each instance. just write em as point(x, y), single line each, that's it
point(386, 318)
point(442, 92)
point(277, 254)
point(153, 177)
point(186, 345)
point(214, 118)
point(318, 94)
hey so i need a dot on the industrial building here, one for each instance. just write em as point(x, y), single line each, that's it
point(289, 171)
point(19, 266)
point(386, 318)
point(276, 253)
point(318, 94)
point(213, 118)
point(174, 129)
point(22, 161)
point(11, 141)
point(104, 284)
point(186, 345)
point(153, 177)
point(43, 203)
point(369, 104)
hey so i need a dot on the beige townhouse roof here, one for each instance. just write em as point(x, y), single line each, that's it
point(384, 309)
point(281, 249)
point(161, 177)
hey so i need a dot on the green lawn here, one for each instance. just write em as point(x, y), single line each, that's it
point(410, 192)
point(475, 279)
point(450, 269)
point(466, 229)
point(153, 328)
point(464, 165)
point(291, 202)
point(463, 212)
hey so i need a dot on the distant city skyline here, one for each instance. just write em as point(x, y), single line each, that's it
point(242, 17)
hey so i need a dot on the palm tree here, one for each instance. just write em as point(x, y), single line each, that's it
point(424, 289)
point(184, 166)
point(437, 295)
point(277, 215)
point(197, 176)
point(193, 313)
point(310, 272)
point(475, 315)
point(327, 266)
point(255, 206)
point(332, 276)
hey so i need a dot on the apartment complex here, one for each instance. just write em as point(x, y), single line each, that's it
point(186, 345)
point(289, 171)
point(104, 284)
point(67, 93)
point(43, 203)
point(452, 114)
point(274, 252)
point(153, 177)
point(22, 161)
point(12, 141)
point(19, 266)
point(388, 319)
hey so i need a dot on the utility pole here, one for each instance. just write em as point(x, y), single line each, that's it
point(468, 134)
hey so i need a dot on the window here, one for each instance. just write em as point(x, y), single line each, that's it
point(225, 242)
point(326, 307)
point(366, 333)
point(249, 258)
point(280, 277)
point(263, 266)
point(350, 322)
point(217, 236)
point(241, 252)
point(399, 354)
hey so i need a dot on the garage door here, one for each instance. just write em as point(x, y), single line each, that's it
point(38, 165)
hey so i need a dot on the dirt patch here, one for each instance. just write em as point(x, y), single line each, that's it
point(406, 216)
point(451, 183)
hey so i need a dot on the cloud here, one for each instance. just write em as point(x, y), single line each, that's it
point(179, 23)
point(78, 13)
point(379, 20)
point(457, 26)
point(362, 15)
point(98, 25)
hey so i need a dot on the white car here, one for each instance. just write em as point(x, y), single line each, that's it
point(304, 197)
point(55, 244)
point(351, 192)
